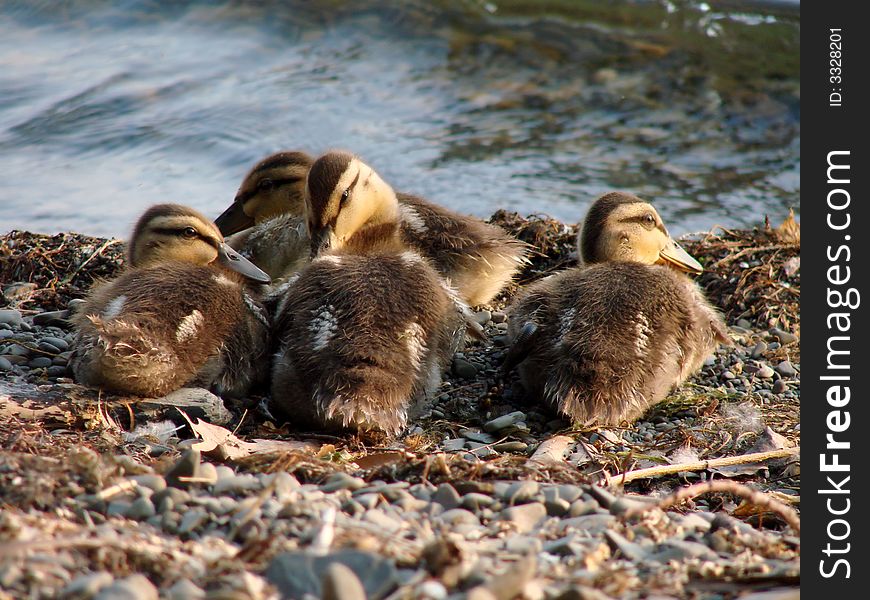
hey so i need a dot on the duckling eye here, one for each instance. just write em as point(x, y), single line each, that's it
point(345, 195)
point(189, 232)
point(649, 220)
point(265, 184)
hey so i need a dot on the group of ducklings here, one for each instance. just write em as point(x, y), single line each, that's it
point(349, 300)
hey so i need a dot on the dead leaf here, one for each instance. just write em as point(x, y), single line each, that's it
point(789, 232)
point(379, 459)
point(222, 442)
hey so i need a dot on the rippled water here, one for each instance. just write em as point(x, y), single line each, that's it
point(106, 108)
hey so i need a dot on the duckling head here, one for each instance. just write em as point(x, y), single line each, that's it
point(274, 187)
point(622, 227)
point(343, 198)
point(171, 232)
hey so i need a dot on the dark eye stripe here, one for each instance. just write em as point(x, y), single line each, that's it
point(179, 232)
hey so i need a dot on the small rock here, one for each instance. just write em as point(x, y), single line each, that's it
point(557, 507)
point(604, 497)
point(192, 520)
point(86, 586)
point(237, 484)
point(207, 473)
point(342, 481)
point(463, 368)
point(141, 509)
point(475, 501)
point(591, 524)
point(519, 492)
point(499, 317)
point(54, 318)
point(786, 369)
point(185, 589)
point(50, 348)
point(784, 337)
point(759, 350)
point(56, 371)
point(447, 496)
point(629, 550)
point(155, 483)
point(431, 590)
point(197, 403)
point(779, 386)
point(504, 421)
point(765, 372)
point(525, 516)
point(682, 550)
point(511, 446)
point(483, 317)
point(134, 587)
point(5, 365)
point(186, 466)
point(476, 436)
point(10, 317)
point(338, 582)
point(457, 516)
point(40, 362)
point(454, 444)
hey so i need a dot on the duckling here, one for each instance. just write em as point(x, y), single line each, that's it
point(181, 314)
point(264, 222)
point(364, 330)
point(478, 258)
point(605, 341)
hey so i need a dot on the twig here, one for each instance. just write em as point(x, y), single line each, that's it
point(759, 499)
point(731, 258)
point(701, 465)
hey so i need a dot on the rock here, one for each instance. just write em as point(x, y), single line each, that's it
point(431, 590)
point(134, 587)
point(10, 317)
point(207, 473)
point(477, 436)
point(186, 466)
point(453, 444)
point(682, 550)
point(629, 550)
point(779, 386)
point(624, 504)
point(499, 317)
point(463, 368)
point(784, 337)
point(40, 362)
point(525, 516)
point(759, 350)
point(141, 509)
point(475, 501)
point(481, 450)
point(50, 348)
point(580, 508)
point(483, 317)
point(296, 574)
point(155, 483)
point(604, 497)
point(591, 524)
point(519, 492)
point(338, 582)
point(184, 589)
point(786, 369)
point(447, 496)
point(118, 508)
point(342, 481)
point(198, 403)
point(237, 484)
point(54, 318)
point(764, 372)
point(457, 516)
point(504, 421)
point(511, 446)
point(192, 520)
point(86, 586)
point(557, 507)
point(5, 365)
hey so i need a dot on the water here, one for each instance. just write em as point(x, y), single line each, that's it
point(537, 107)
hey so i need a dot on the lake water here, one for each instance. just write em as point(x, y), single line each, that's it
point(537, 107)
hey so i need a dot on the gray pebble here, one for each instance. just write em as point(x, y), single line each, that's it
point(168, 499)
point(453, 444)
point(118, 508)
point(511, 446)
point(56, 371)
point(498, 317)
point(10, 317)
point(557, 507)
point(447, 496)
point(155, 483)
point(483, 317)
point(525, 516)
point(192, 520)
point(504, 421)
point(208, 473)
point(134, 587)
point(184, 589)
point(779, 386)
point(17, 350)
point(475, 501)
point(744, 323)
point(142, 508)
point(602, 496)
point(338, 582)
point(237, 484)
point(59, 343)
point(342, 481)
point(726, 375)
point(476, 436)
point(481, 450)
point(5, 365)
point(186, 466)
point(40, 362)
point(463, 368)
point(784, 337)
point(683, 550)
point(50, 348)
point(786, 369)
point(765, 372)
point(457, 516)
point(580, 508)
point(519, 492)
point(629, 550)
point(590, 524)
point(759, 350)
point(86, 586)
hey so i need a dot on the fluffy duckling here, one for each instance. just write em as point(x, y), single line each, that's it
point(365, 330)
point(605, 341)
point(180, 315)
point(476, 257)
point(264, 222)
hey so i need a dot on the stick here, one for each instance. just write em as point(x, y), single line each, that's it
point(759, 499)
point(99, 251)
point(551, 450)
point(701, 465)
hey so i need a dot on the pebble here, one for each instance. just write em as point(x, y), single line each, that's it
point(208, 473)
point(475, 501)
point(779, 386)
point(184, 589)
point(511, 446)
point(786, 369)
point(784, 337)
point(50, 348)
point(477, 436)
point(454, 444)
point(759, 350)
point(519, 492)
point(192, 520)
point(457, 516)
point(765, 372)
point(40, 362)
point(10, 317)
point(155, 483)
point(57, 318)
point(338, 582)
point(86, 586)
point(498, 317)
point(141, 509)
point(447, 496)
point(134, 587)
point(463, 368)
point(504, 421)
point(186, 466)
point(525, 516)
point(483, 317)
point(5, 365)
point(342, 481)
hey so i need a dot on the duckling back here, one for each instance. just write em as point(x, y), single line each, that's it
point(610, 340)
point(156, 329)
point(361, 336)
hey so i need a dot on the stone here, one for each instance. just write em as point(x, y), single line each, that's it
point(764, 372)
point(155, 483)
point(40, 362)
point(784, 337)
point(338, 582)
point(10, 317)
point(457, 516)
point(453, 444)
point(592, 524)
point(56, 318)
point(296, 574)
point(86, 586)
point(758, 350)
point(134, 587)
point(141, 509)
point(498, 317)
point(477, 436)
point(525, 516)
point(629, 550)
point(5, 365)
point(184, 589)
point(786, 369)
point(342, 481)
point(207, 473)
point(520, 492)
point(50, 348)
point(186, 466)
point(511, 446)
point(779, 386)
point(464, 369)
point(447, 496)
point(483, 317)
point(504, 421)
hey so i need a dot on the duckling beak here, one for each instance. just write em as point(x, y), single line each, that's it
point(238, 263)
point(674, 255)
point(321, 241)
point(233, 219)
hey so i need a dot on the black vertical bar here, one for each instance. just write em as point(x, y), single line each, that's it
point(834, 377)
